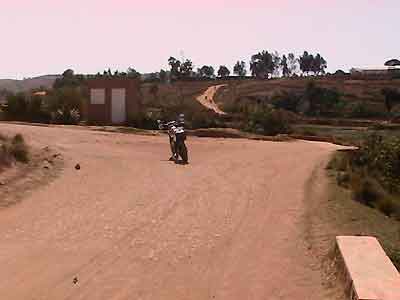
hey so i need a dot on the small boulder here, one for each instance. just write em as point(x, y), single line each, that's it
point(77, 167)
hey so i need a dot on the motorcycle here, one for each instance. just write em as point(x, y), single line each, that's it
point(177, 137)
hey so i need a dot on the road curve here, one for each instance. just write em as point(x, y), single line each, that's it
point(207, 99)
point(131, 225)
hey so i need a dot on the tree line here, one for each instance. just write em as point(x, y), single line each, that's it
point(262, 65)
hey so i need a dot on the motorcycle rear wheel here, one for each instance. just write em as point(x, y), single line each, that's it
point(183, 152)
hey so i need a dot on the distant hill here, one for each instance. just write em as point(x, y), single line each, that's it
point(28, 83)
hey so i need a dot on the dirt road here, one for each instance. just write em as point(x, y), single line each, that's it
point(131, 225)
point(207, 99)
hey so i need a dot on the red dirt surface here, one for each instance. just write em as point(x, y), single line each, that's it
point(131, 225)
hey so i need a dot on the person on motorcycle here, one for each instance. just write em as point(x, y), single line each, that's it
point(173, 127)
point(180, 122)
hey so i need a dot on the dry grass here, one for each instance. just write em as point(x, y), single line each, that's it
point(359, 205)
point(14, 149)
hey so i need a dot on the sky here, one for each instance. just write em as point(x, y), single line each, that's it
point(48, 36)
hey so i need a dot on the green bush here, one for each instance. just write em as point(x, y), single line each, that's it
point(202, 120)
point(287, 100)
point(268, 122)
point(17, 106)
point(367, 191)
point(372, 172)
point(309, 132)
point(65, 105)
point(25, 107)
point(361, 110)
point(36, 110)
point(323, 101)
point(381, 156)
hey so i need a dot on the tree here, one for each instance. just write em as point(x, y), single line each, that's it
point(163, 76)
point(392, 63)
point(276, 61)
point(287, 100)
point(69, 73)
point(306, 61)
point(263, 63)
point(223, 72)
point(132, 73)
point(179, 69)
point(186, 68)
point(240, 69)
point(68, 79)
point(17, 105)
point(318, 65)
point(284, 66)
point(309, 63)
point(206, 72)
point(392, 97)
point(323, 66)
point(175, 67)
point(292, 64)
point(321, 100)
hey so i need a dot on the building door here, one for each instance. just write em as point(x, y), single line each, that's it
point(118, 106)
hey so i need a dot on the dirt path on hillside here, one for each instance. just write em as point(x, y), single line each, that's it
point(207, 99)
point(131, 225)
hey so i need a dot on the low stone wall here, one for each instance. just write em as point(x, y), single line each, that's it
point(367, 270)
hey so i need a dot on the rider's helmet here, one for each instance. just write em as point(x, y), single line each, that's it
point(181, 119)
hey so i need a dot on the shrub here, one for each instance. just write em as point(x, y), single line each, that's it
point(36, 111)
point(203, 120)
point(382, 156)
point(66, 116)
point(19, 149)
point(65, 105)
point(366, 191)
point(17, 106)
point(13, 150)
point(142, 121)
point(362, 110)
point(343, 179)
point(25, 107)
point(371, 174)
point(395, 257)
point(389, 207)
point(268, 122)
point(287, 100)
point(322, 101)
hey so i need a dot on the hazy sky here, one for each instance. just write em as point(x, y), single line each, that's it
point(48, 36)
